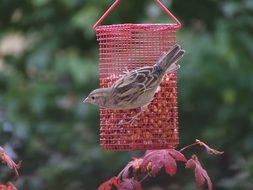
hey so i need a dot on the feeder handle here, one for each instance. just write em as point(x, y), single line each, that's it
point(116, 3)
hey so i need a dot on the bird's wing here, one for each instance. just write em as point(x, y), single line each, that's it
point(144, 75)
point(133, 84)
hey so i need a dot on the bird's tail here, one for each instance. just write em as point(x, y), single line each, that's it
point(167, 62)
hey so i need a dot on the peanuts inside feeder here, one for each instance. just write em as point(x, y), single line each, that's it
point(122, 48)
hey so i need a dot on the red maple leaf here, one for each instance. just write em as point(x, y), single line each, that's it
point(200, 173)
point(132, 166)
point(110, 184)
point(9, 162)
point(8, 186)
point(156, 159)
point(130, 184)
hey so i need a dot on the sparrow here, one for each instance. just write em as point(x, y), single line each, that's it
point(136, 88)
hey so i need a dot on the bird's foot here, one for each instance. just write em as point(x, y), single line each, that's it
point(126, 71)
point(130, 121)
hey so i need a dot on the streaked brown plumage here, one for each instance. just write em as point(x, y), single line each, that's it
point(137, 88)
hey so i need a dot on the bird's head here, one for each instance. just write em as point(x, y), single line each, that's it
point(98, 97)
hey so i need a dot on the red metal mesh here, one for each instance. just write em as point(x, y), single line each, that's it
point(125, 47)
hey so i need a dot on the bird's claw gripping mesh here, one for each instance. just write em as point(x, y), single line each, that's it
point(122, 48)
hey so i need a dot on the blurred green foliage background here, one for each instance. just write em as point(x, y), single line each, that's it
point(49, 63)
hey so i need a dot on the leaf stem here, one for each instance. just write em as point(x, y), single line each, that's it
point(145, 177)
point(188, 146)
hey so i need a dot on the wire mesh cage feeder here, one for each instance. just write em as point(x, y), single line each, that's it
point(123, 47)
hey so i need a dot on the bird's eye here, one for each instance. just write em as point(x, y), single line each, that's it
point(92, 97)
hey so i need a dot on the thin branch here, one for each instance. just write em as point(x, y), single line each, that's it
point(144, 178)
point(201, 143)
point(188, 146)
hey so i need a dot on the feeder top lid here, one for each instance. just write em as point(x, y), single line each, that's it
point(137, 27)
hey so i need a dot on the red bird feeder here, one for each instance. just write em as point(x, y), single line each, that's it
point(123, 47)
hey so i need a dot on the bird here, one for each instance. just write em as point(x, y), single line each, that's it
point(137, 88)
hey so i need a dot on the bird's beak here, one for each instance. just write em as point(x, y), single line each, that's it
point(86, 100)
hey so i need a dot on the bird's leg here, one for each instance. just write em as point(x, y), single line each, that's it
point(136, 117)
point(144, 108)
